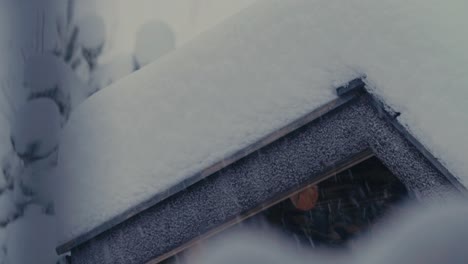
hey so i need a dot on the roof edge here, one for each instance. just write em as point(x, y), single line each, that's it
point(346, 93)
point(350, 94)
point(391, 116)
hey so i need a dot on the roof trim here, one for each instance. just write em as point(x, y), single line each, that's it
point(346, 93)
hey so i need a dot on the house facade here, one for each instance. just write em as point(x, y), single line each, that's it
point(269, 114)
point(351, 130)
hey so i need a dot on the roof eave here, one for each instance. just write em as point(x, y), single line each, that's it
point(346, 93)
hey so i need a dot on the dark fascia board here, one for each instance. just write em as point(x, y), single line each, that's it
point(353, 86)
point(346, 93)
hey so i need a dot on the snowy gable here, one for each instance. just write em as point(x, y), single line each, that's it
point(262, 69)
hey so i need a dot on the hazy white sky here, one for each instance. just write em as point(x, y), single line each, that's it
point(187, 18)
point(24, 33)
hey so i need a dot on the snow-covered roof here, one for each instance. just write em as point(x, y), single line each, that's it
point(251, 75)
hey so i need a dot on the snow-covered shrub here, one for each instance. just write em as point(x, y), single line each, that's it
point(115, 69)
point(31, 238)
point(3, 183)
point(43, 78)
point(49, 76)
point(8, 209)
point(44, 96)
point(34, 134)
point(91, 37)
point(153, 40)
point(3, 246)
point(11, 166)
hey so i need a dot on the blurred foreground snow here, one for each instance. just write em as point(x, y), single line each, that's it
point(418, 234)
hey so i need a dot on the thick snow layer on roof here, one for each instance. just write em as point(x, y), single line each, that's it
point(253, 74)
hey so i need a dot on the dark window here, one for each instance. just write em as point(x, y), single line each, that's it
point(338, 209)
